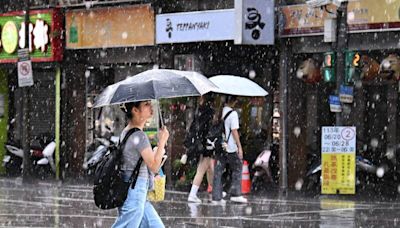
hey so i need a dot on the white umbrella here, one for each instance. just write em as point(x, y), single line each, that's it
point(239, 86)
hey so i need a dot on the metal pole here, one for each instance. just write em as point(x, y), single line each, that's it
point(340, 47)
point(25, 110)
point(283, 89)
point(58, 122)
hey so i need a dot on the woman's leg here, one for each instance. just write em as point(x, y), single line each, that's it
point(151, 217)
point(210, 170)
point(201, 170)
point(134, 206)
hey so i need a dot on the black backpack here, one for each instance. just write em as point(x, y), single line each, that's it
point(110, 191)
point(214, 137)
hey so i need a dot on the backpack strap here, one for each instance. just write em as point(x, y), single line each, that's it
point(225, 117)
point(135, 172)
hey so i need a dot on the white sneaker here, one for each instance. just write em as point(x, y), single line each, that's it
point(194, 199)
point(218, 202)
point(238, 199)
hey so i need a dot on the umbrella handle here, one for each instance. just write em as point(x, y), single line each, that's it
point(159, 114)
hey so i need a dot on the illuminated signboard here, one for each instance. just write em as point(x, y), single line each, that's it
point(45, 29)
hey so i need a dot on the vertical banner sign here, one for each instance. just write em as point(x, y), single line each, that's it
point(254, 22)
point(338, 150)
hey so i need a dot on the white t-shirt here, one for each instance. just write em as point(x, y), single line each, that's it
point(231, 123)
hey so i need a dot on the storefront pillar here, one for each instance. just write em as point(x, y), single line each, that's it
point(283, 92)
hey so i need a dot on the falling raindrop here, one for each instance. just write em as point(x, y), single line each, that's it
point(87, 73)
point(136, 140)
point(380, 172)
point(252, 74)
point(390, 153)
point(374, 143)
point(299, 184)
point(88, 5)
point(297, 131)
point(248, 210)
point(124, 35)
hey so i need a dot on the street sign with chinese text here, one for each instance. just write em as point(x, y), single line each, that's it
point(338, 150)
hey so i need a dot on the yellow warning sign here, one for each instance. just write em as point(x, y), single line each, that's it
point(338, 160)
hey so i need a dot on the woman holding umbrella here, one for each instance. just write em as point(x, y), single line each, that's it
point(137, 211)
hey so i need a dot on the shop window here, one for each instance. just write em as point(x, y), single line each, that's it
point(187, 62)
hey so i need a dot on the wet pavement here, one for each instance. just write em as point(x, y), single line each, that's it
point(51, 204)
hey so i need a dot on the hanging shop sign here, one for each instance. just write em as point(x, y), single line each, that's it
point(110, 27)
point(255, 22)
point(338, 149)
point(373, 16)
point(212, 25)
point(45, 29)
point(300, 20)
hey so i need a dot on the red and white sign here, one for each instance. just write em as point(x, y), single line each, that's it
point(25, 76)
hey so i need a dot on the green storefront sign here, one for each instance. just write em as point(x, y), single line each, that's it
point(45, 29)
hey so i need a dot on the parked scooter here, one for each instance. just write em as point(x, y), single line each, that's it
point(312, 181)
point(262, 175)
point(41, 156)
point(12, 161)
point(97, 154)
point(98, 149)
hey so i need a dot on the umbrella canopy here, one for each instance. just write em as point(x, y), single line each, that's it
point(239, 86)
point(155, 84)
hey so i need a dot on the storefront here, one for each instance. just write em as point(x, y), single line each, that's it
point(104, 45)
point(311, 80)
point(45, 51)
point(217, 42)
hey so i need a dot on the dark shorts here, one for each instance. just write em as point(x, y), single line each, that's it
point(208, 153)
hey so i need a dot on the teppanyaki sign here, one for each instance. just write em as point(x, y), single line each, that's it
point(45, 28)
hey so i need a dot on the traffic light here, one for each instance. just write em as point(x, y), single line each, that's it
point(329, 66)
point(353, 65)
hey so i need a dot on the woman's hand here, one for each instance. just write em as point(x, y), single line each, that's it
point(163, 136)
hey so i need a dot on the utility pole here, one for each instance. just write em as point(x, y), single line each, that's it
point(340, 46)
point(25, 112)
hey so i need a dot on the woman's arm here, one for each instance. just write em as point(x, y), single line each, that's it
point(153, 160)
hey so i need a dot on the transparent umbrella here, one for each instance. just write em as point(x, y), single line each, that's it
point(155, 84)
